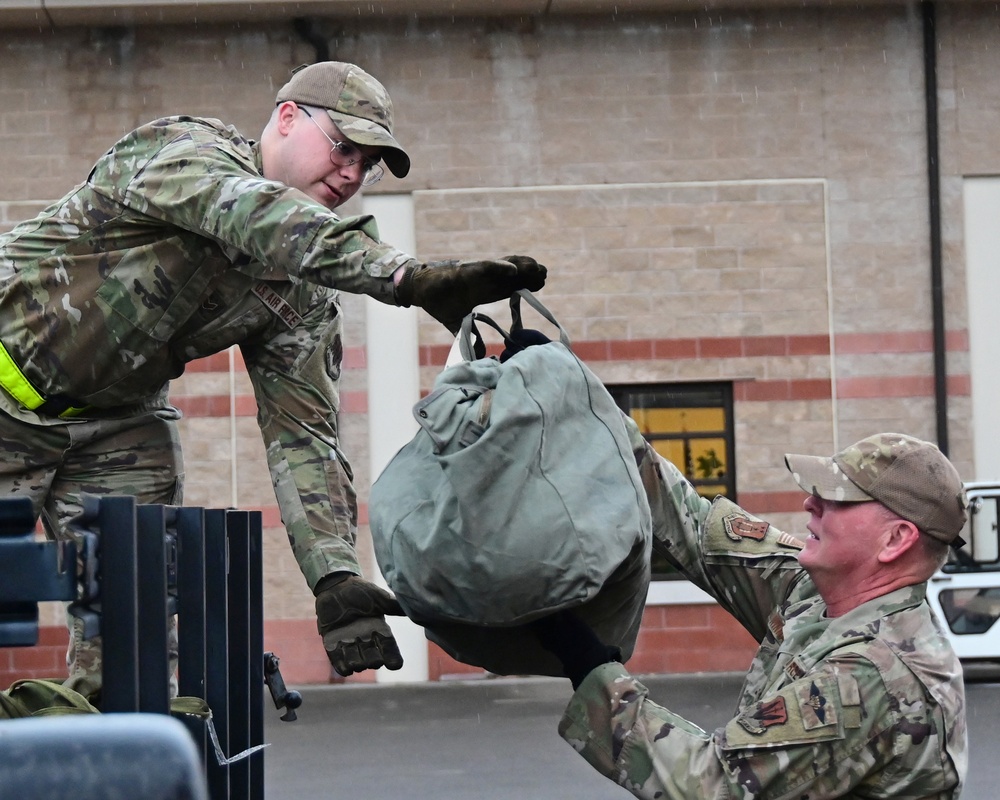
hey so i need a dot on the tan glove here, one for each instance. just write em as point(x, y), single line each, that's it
point(449, 290)
point(350, 617)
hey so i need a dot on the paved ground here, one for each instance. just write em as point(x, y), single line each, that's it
point(492, 739)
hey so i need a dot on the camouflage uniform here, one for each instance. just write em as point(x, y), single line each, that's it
point(866, 705)
point(175, 248)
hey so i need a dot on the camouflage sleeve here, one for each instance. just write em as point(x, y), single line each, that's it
point(744, 563)
point(295, 379)
point(192, 175)
point(812, 738)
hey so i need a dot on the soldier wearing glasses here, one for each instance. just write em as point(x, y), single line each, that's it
point(184, 239)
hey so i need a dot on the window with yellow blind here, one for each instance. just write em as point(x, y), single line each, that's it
point(691, 425)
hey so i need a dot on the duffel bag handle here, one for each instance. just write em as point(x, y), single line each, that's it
point(469, 351)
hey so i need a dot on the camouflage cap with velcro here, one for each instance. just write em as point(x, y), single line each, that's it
point(357, 103)
point(909, 476)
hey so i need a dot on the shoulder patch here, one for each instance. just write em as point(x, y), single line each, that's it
point(763, 715)
point(731, 531)
point(741, 527)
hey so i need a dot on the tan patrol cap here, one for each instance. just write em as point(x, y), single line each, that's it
point(911, 477)
point(357, 103)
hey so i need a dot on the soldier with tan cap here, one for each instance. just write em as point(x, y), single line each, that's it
point(854, 692)
point(186, 238)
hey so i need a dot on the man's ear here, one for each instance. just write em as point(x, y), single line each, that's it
point(287, 114)
point(900, 537)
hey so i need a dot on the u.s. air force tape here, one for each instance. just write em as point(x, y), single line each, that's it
point(277, 304)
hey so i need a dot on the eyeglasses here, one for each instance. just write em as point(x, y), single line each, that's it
point(345, 154)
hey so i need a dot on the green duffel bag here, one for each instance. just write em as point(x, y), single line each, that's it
point(49, 697)
point(41, 697)
point(518, 496)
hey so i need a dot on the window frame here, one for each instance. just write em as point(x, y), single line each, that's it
point(687, 394)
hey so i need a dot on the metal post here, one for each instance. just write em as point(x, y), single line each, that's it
point(256, 612)
point(116, 521)
point(151, 554)
point(217, 643)
point(238, 532)
point(190, 529)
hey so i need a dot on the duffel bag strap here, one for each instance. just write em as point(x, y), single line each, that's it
point(477, 349)
point(471, 351)
point(535, 303)
point(474, 350)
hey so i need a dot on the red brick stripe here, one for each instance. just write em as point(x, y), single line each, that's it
point(354, 358)
point(217, 405)
point(741, 346)
point(764, 503)
point(863, 387)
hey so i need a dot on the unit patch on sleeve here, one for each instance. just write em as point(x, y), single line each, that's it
point(763, 715)
point(739, 527)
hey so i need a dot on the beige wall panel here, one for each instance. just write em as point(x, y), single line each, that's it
point(970, 97)
point(642, 289)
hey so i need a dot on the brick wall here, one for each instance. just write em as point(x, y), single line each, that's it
point(737, 195)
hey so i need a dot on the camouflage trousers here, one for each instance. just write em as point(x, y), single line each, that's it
point(53, 465)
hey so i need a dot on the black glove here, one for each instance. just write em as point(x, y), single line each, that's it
point(350, 616)
point(574, 643)
point(449, 290)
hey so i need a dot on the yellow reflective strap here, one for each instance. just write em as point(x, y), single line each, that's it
point(13, 380)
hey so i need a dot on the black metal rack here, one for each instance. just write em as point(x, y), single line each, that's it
point(136, 566)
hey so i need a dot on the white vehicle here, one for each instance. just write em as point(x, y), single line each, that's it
point(965, 593)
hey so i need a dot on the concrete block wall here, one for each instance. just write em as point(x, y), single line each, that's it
point(737, 195)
